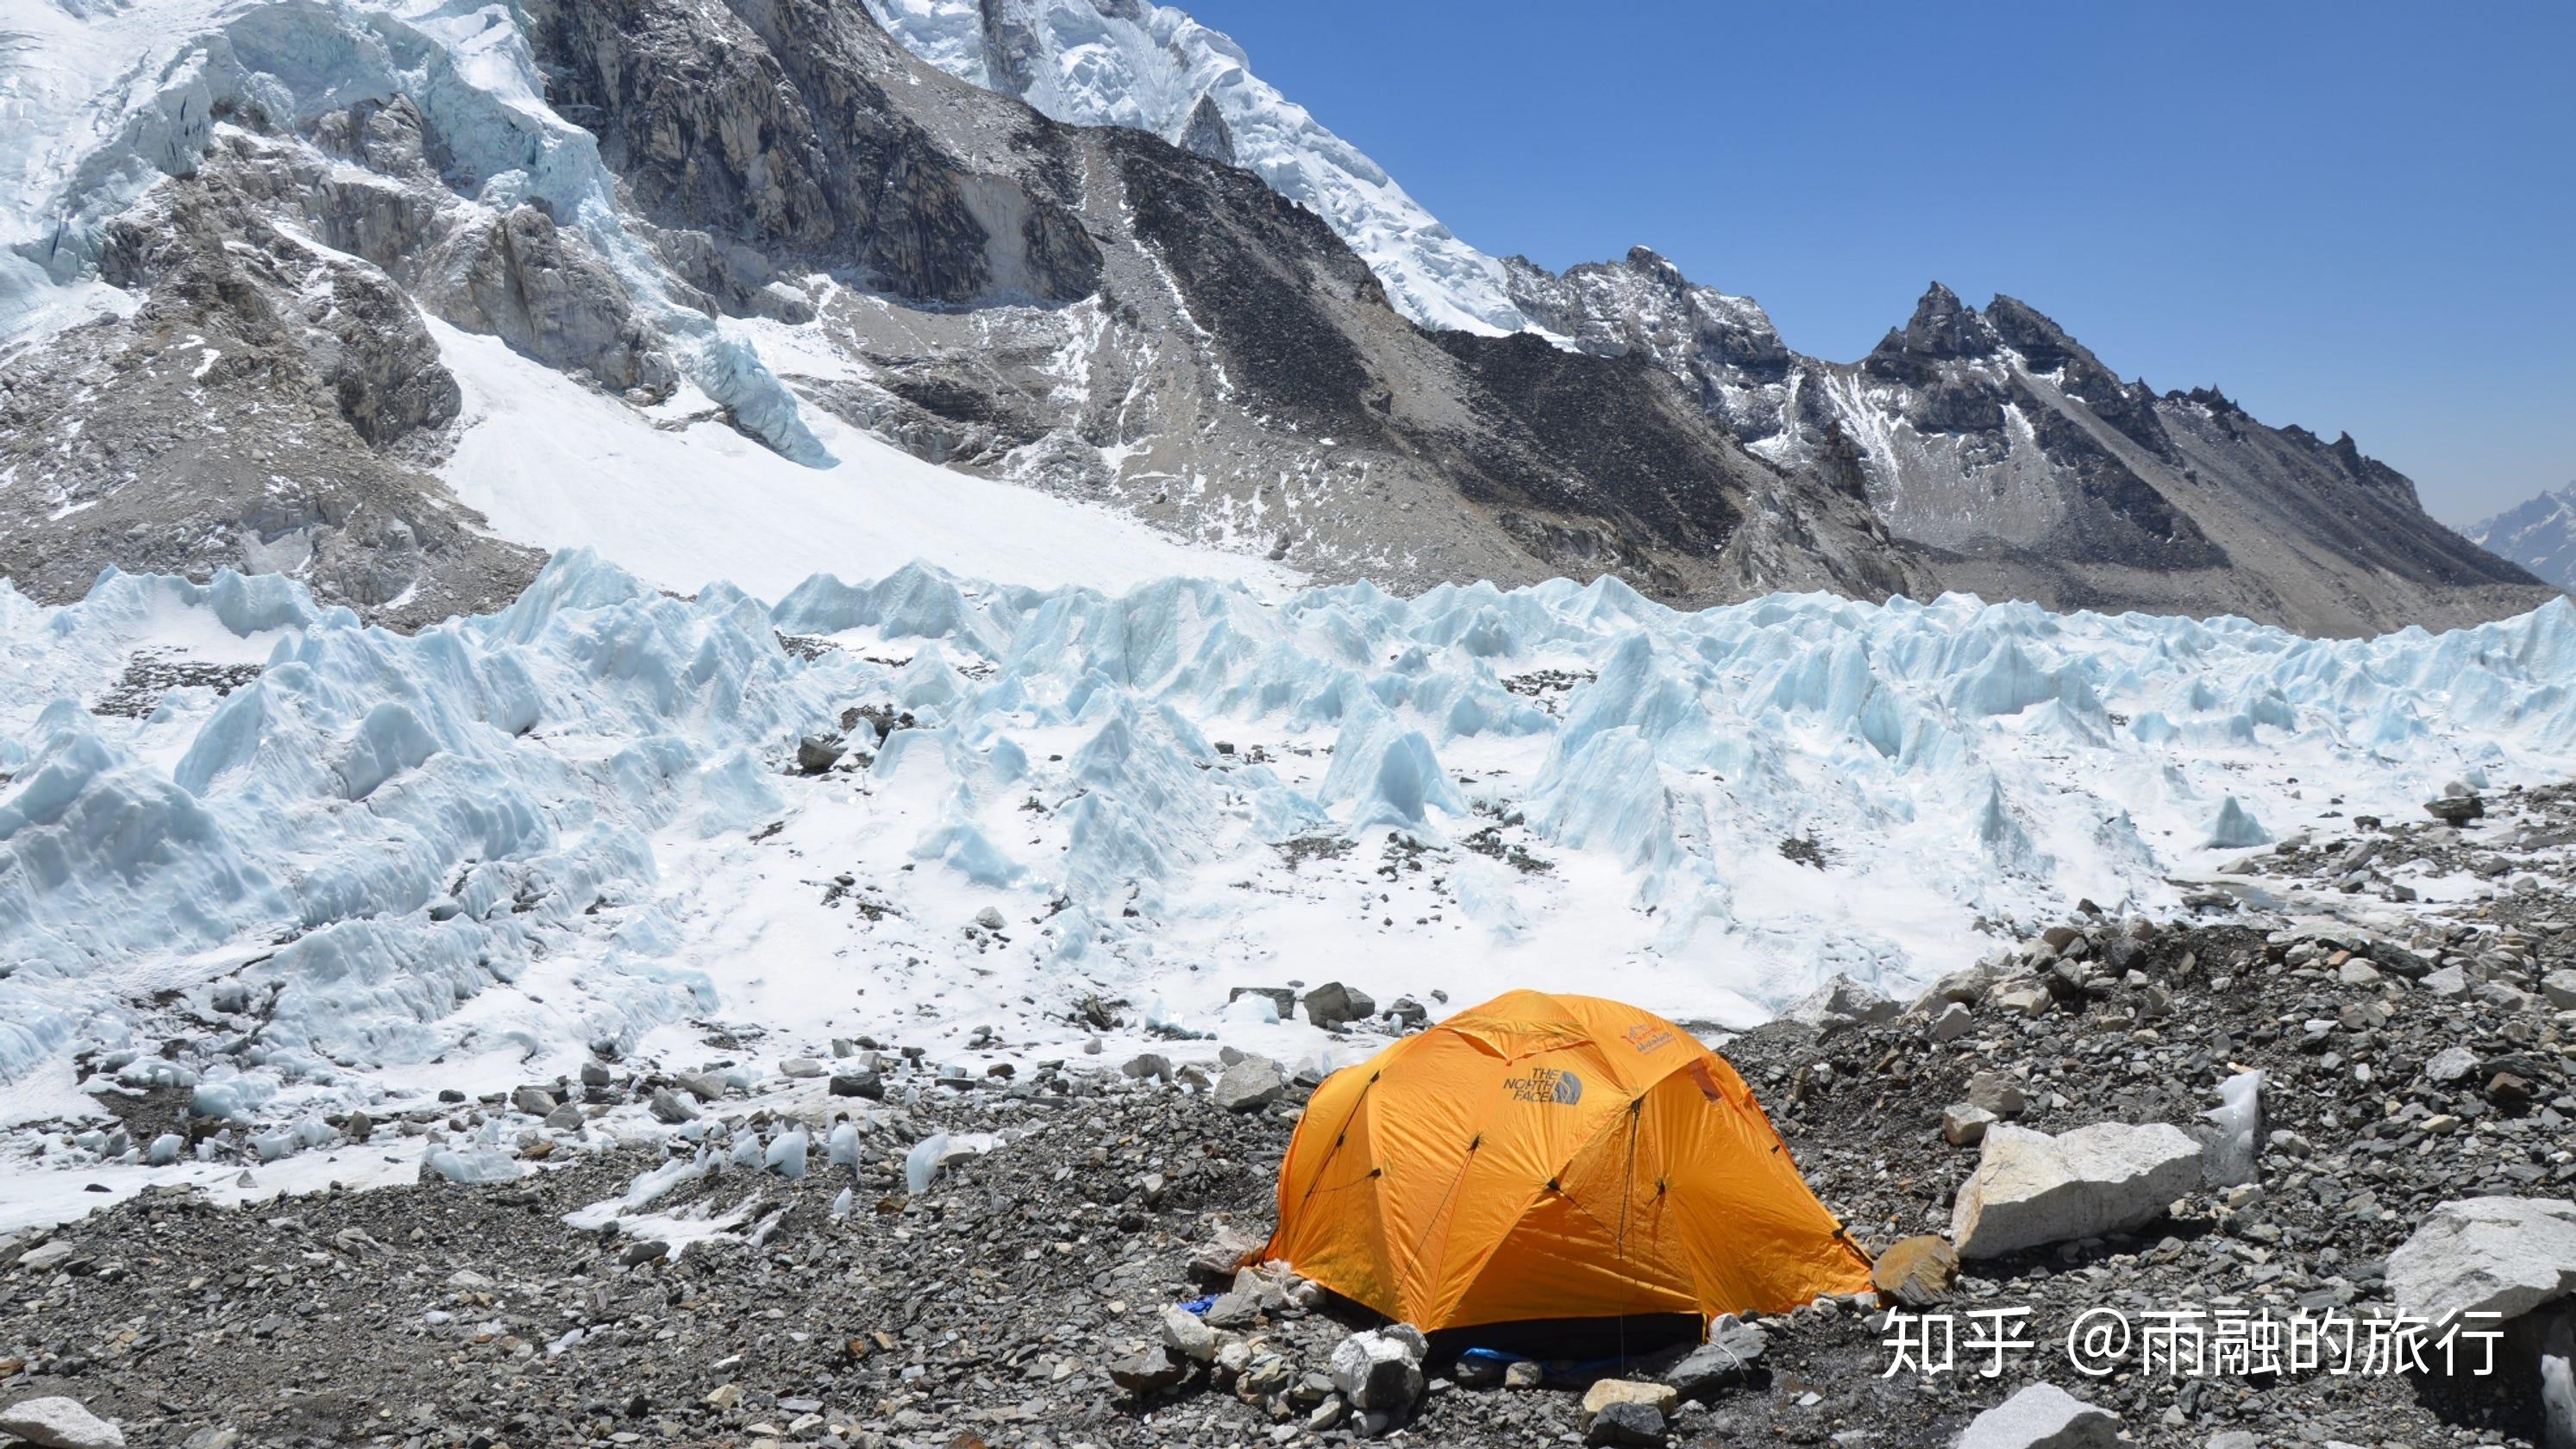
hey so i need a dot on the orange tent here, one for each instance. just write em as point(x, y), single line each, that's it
point(1547, 1157)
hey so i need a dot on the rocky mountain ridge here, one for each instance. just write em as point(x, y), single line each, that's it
point(2031, 470)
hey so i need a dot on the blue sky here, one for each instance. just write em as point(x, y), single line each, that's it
point(2348, 216)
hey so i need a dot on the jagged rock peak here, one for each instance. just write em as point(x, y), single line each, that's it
point(1207, 133)
point(2032, 333)
point(1942, 327)
point(1642, 301)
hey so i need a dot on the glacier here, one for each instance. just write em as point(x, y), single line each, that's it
point(386, 864)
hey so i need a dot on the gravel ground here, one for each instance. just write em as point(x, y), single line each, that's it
point(839, 1309)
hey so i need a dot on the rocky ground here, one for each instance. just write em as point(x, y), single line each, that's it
point(2415, 1052)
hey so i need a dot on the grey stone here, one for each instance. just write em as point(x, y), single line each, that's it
point(1234, 1310)
point(1279, 996)
point(2559, 988)
point(1626, 1422)
point(1333, 1004)
point(1997, 1093)
point(1152, 1065)
point(1842, 1002)
point(1730, 1356)
point(1250, 1085)
point(1149, 1371)
point(1222, 1257)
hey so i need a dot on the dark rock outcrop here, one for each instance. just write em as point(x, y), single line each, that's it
point(1998, 440)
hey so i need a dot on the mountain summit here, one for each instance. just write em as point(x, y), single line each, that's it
point(2540, 535)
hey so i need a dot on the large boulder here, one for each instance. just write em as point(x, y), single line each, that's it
point(2030, 1188)
point(2457, 809)
point(59, 1423)
point(1250, 1085)
point(2042, 1416)
point(1333, 1004)
point(2501, 1255)
point(1842, 1002)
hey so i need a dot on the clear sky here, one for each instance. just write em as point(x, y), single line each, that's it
point(2348, 216)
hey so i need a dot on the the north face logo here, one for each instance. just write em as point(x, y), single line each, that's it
point(1548, 1085)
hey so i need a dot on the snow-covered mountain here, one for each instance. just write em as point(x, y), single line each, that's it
point(2540, 535)
point(285, 866)
point(1994, 439)
point(1151, 67)
point(266, 246)
point(395, 299)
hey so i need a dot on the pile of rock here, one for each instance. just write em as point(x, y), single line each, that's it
point(1372, 1380)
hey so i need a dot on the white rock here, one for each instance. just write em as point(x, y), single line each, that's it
point(1188, 1335)
point(2450, 1064)
point(1964, 1124)
point(1954, 1022)
point(1379, 1371)
point(2043, 1416)
point(2030, 1188)
point(59, 1423)
point(2505, 1255)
